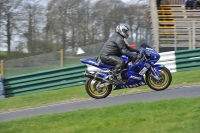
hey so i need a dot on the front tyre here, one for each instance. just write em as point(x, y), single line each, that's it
point(90, 87)
point(163, 83)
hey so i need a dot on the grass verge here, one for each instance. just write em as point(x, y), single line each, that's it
point(170, 116)
point(78, 93)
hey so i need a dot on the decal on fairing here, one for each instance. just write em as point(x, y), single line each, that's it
point(142, 72)
point(93, 63)
point(134, 77)
point(150, 48)
point(133, 85)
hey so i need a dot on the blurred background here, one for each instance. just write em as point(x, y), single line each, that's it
point(36, 35)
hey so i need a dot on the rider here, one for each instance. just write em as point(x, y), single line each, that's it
point(114, 47)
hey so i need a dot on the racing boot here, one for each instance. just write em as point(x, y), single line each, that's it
point(115, 77)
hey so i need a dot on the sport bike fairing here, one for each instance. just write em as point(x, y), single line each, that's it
point(134, 78)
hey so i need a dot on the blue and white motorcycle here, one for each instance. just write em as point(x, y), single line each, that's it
point(144, 72)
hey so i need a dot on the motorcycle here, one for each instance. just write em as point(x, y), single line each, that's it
point(144, 72)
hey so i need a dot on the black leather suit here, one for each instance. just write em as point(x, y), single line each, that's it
point(113, 48)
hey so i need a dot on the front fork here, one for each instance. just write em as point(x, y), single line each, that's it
point(155, 71)
point(154, 74)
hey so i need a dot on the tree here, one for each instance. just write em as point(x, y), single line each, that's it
point(106, 19)
point(69, 21)
point(8, 19)
point(139, 22)
point(33, 18)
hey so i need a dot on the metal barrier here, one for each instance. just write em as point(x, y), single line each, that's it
point(187, 60)
point(45, 80)
point(182, 60)
point(168, 59)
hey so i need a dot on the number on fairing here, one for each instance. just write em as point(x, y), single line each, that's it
point(142, 72)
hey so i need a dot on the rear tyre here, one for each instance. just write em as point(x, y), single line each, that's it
point(163, 83)
point(90, 87)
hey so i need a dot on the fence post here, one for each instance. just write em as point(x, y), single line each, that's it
point(2, 90)
point(61, 58)
point(175, 45)
point(189, 35)
point(194, 35)
point(2, 68)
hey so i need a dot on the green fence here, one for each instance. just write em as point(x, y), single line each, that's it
point(187, 60)
point(45, 80)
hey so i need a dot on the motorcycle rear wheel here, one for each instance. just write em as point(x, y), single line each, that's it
point(163, 83)
point(90, 87)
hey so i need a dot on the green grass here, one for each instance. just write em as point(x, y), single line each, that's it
point(3, 53)
point(186, 77)
point(168, 116)
point(78, 93)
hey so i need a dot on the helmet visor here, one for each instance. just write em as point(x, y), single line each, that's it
point(126, 31)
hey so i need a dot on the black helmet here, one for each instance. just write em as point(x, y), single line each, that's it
point(123, 30)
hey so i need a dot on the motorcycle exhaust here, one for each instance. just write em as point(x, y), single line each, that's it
point(93, 76)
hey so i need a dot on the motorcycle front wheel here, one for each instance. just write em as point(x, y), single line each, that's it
point(161, 84)
point(91, 89)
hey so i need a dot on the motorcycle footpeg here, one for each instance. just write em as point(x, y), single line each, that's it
point(117, 82)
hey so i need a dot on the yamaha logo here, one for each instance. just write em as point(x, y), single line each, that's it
point(133, 85)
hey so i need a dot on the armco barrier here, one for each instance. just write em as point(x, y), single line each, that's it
point(182, 60)
point(187, 59)
point(45, 80)
point(168, 59)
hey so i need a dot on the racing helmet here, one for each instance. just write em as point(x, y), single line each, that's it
point(123, 29)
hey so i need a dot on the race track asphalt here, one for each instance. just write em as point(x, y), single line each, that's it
point(181, 92)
